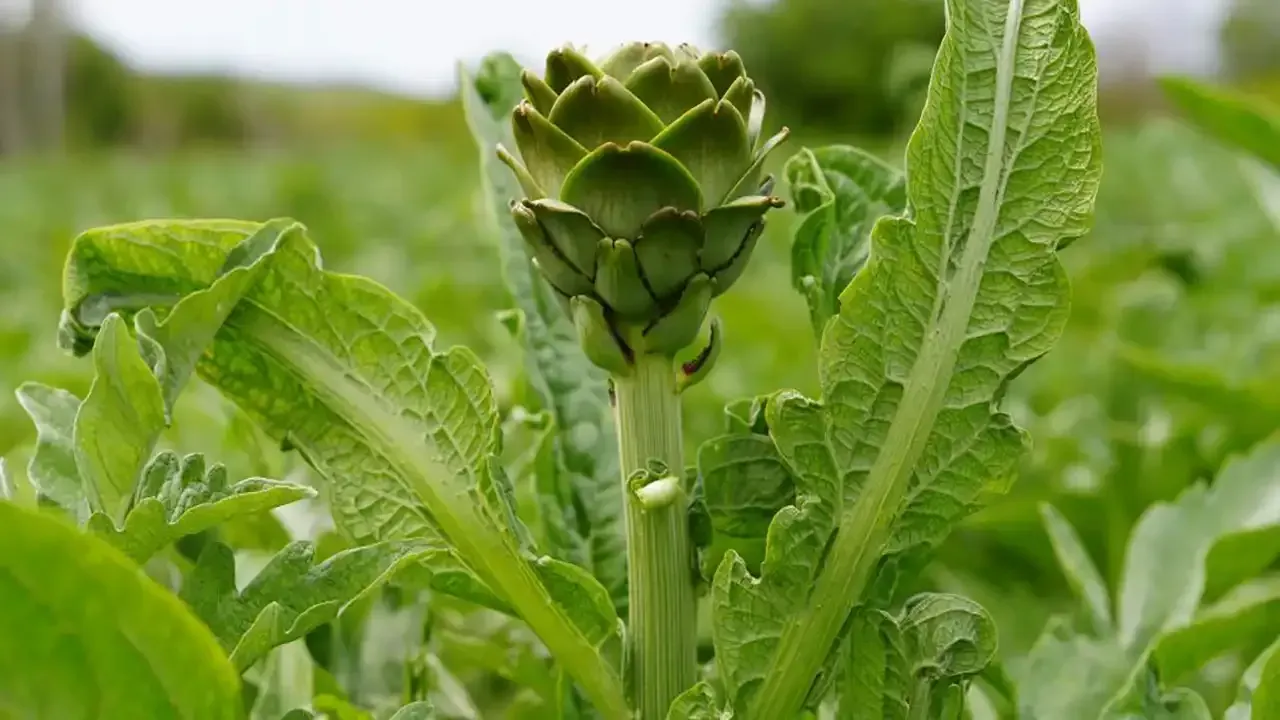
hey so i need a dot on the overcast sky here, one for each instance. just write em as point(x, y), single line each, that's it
point(413, 45)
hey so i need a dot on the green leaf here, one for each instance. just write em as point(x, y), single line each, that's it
point(110, 277)
point(956, 298)
point(908, 666)
point(1248, 613)
point(987, 699)
point(291, 596)
point(285, 681)
point(343, 371)
point(421, 710)
point(193, 322)
point(510, 652)
point(874, 684)
point(1143, 698)
point(742, 482)
point(947, 637)
point(1159, 624)
point(119, 421)
point(1228, 116)
point(448, 694)
point(1251, 404)
point(840, 191)
point(1165, 566)
point(947, 641)
point(1259, 688)
point(7, 490)
point(1067, 676)
point(569, 386)
point(137, 380)
point(52, 469)
point(1082, 575)
point(180, 499)
point(86, 635)
point(1266, 699)
point(699, 702)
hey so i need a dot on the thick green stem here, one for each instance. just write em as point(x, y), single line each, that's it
point(662, 632)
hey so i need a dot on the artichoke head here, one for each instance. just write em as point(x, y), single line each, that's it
point(644, 196)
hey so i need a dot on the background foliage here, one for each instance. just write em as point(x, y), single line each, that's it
point(1167, 369)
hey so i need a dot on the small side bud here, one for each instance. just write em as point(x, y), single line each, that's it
point(658, 494)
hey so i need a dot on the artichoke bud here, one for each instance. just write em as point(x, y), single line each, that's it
point(643, 189)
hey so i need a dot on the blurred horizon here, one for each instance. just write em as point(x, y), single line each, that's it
point(413, 49)
point(163, 76)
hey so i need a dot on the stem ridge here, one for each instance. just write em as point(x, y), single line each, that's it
point(662, 631)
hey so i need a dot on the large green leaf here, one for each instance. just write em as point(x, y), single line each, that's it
point(343, 371)
point(180, 498)
point(956, 297)
point(1082, 575)
point(1258, 697)
point(1167, 561)
point(573, 389)
point(1068, 675)
point(841, 191)
point(1229, 116)
point(1245, 615)
point(1160, 628)
point(1266, 699)
point(88, 637)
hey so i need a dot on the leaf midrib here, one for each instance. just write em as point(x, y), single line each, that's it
point(864, 528)
point(482, 548)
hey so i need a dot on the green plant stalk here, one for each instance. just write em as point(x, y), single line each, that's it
point(497, 563)
point(662, 632)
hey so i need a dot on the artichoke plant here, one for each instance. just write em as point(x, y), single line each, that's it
point(644, 196)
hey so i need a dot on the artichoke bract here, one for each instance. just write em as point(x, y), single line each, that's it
point(644, 196)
